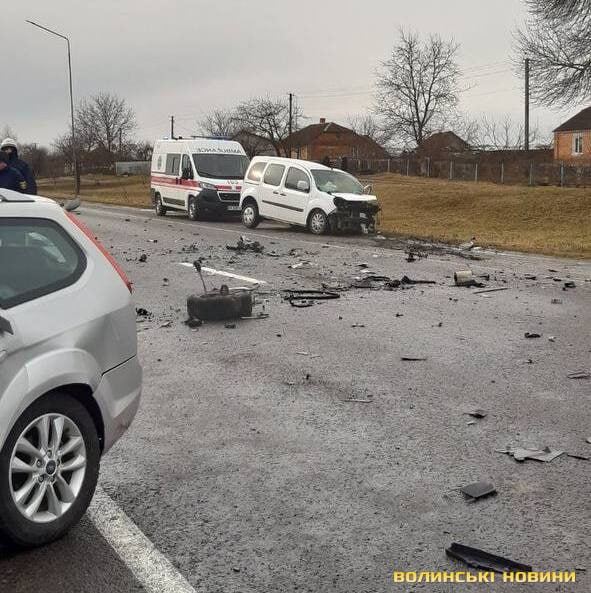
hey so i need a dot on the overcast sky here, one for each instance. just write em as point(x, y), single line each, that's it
point(185, 57)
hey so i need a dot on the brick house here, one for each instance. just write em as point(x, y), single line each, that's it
point(323, 140)
point(443, 144)
point(572, 140)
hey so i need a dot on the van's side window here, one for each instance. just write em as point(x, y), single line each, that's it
point(293, 176)
point(187, 166)
point(274, 174)
point(172, 164)
point(256, 172)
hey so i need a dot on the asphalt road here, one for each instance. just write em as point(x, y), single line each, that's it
point(250, 471)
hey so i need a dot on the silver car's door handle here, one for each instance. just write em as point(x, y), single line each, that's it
point(6, 326)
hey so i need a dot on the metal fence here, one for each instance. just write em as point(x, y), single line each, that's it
point(512, 171)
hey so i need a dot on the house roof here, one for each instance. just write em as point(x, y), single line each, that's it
point(581, 121)
point(444, 141)
point(307, 135)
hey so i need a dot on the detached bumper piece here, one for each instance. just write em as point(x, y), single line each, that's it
point(353, 216)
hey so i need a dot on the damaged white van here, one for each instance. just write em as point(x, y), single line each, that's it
point(200, 176)
point(306, 194)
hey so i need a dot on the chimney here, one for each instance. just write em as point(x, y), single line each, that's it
point(322, 120)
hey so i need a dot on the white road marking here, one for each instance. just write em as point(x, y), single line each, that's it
point(227, 274)
point(155, 573)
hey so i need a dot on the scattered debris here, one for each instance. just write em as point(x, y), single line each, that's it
point(484, 560)
point(530, 277)
point(478, 413)
point(466, 278)
point(551, 338)
point(570, 284)
point(556, 302)
point(152, 240)
point(359, 401)
point(303, 353)
point(589, 440)
point(307, 298)
point(468, 245)
point(193, 323)
point(230, 325)
point(166, 324)
point(412, 358)
point(520, 454)
point(413, 256)
point(246, 244)
point(358, 325)
point(478, 490)
point(490, 290)
point(143, 258)
point(141, 312)
point(579, 375)
point(577, 456)
point(532, 335)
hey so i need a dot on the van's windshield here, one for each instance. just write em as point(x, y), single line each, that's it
point(336, 182)
point(218, 166)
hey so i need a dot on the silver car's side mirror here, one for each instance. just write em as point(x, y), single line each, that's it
point(368, 190)
point(72, 205)
point(303, 185)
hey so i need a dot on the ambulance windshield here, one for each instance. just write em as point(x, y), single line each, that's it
point(221, 166)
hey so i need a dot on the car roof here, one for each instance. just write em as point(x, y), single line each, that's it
point(286, 161)
point(8, 195)
point(14, 203)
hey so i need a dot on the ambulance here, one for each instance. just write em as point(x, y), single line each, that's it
point(199, 175)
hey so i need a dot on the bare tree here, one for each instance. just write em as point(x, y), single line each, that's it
point(417, 87)
point(504, 133)
point(219, 122)
point(556, 38)
point(105, 120)
point(268, 118)
point(372, 127)
point(467, 128)
point(7, 132)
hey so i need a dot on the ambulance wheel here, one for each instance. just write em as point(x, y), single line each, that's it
point(158, 207)
point(193, 209)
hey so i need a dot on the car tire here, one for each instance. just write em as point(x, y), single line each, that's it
point(158, 207)
point(250, 215)
point(77, 448)
point(193, 209)
point(318, 222)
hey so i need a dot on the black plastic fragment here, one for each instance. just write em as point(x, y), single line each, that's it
point(484, 560)
point(479, 490)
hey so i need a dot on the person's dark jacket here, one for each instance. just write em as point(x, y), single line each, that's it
point(11, 178)
point(24, 170)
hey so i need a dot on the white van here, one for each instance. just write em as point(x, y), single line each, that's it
point(306, 194)
point(197, 175)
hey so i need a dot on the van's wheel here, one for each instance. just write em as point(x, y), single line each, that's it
point(318, 222)
point(158, 207)
point(193, 209)
point(49, 467)
point(250, 215)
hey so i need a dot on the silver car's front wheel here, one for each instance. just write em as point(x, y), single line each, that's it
point(47, 468)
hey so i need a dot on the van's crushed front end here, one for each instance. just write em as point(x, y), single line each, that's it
point(354, 213)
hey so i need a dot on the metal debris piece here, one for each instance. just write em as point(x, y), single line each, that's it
point(532, 335)
point(478, 413)
point(413, 358)
point(478, 490)
point(530, 277)
point(484, 560)
point(230, 325)
point(246, 244)
point(166, 324)
point(577, 456)
point(551, 338)
point(490, 290)
point(589, 440)
point(143, 258)
point(521, 454)
point(407, 280)
point(220, 306)
point(141, 312)
point(466, 278)
point(306, 298)
point(570, 284)
point(580, 375)
point(358, 325)
point(556, 302)
point(193, 323)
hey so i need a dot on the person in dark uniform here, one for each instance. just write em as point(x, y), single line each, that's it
point(10, 148)
point(11, 178)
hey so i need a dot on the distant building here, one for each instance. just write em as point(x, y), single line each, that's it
point(132, 168)
point(442, 144)
point(254, 145)
point(330, 141)
point(572, 140)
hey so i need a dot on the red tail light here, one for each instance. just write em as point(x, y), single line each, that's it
point(101, 248)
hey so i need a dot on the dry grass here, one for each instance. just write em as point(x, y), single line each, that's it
point(546, 220)
point(107, 189)
point(549, 220)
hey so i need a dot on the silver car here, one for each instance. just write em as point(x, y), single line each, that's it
point(70, 380)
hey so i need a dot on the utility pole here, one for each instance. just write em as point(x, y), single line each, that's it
point(290, 123)
point(172, 127)
point(74, 157)
point(526, 143)
point(120, 141)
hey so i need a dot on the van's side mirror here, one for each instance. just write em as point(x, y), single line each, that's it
point(187, 173)
point(303, 185)
point(368, 190)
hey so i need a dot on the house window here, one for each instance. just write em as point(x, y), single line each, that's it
point(578, 144)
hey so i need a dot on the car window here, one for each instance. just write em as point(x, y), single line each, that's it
point(37, 257)
point(256, 172)
point(172, 164)
point(274, 174)
point(293, 177)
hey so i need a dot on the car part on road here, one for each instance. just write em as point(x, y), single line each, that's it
point(246, 244)
point(490, 290)
point(143, 258)
point(556, 302)
point(478, 414)
point(570, 284)
point(521, 454)
point(579, 375)
point(531, 335)
point(306, 298)
point(466, 278)
point(478, 490)
point(577, 456)
point(412, 358)
point(484, 560)
point(220, 306)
